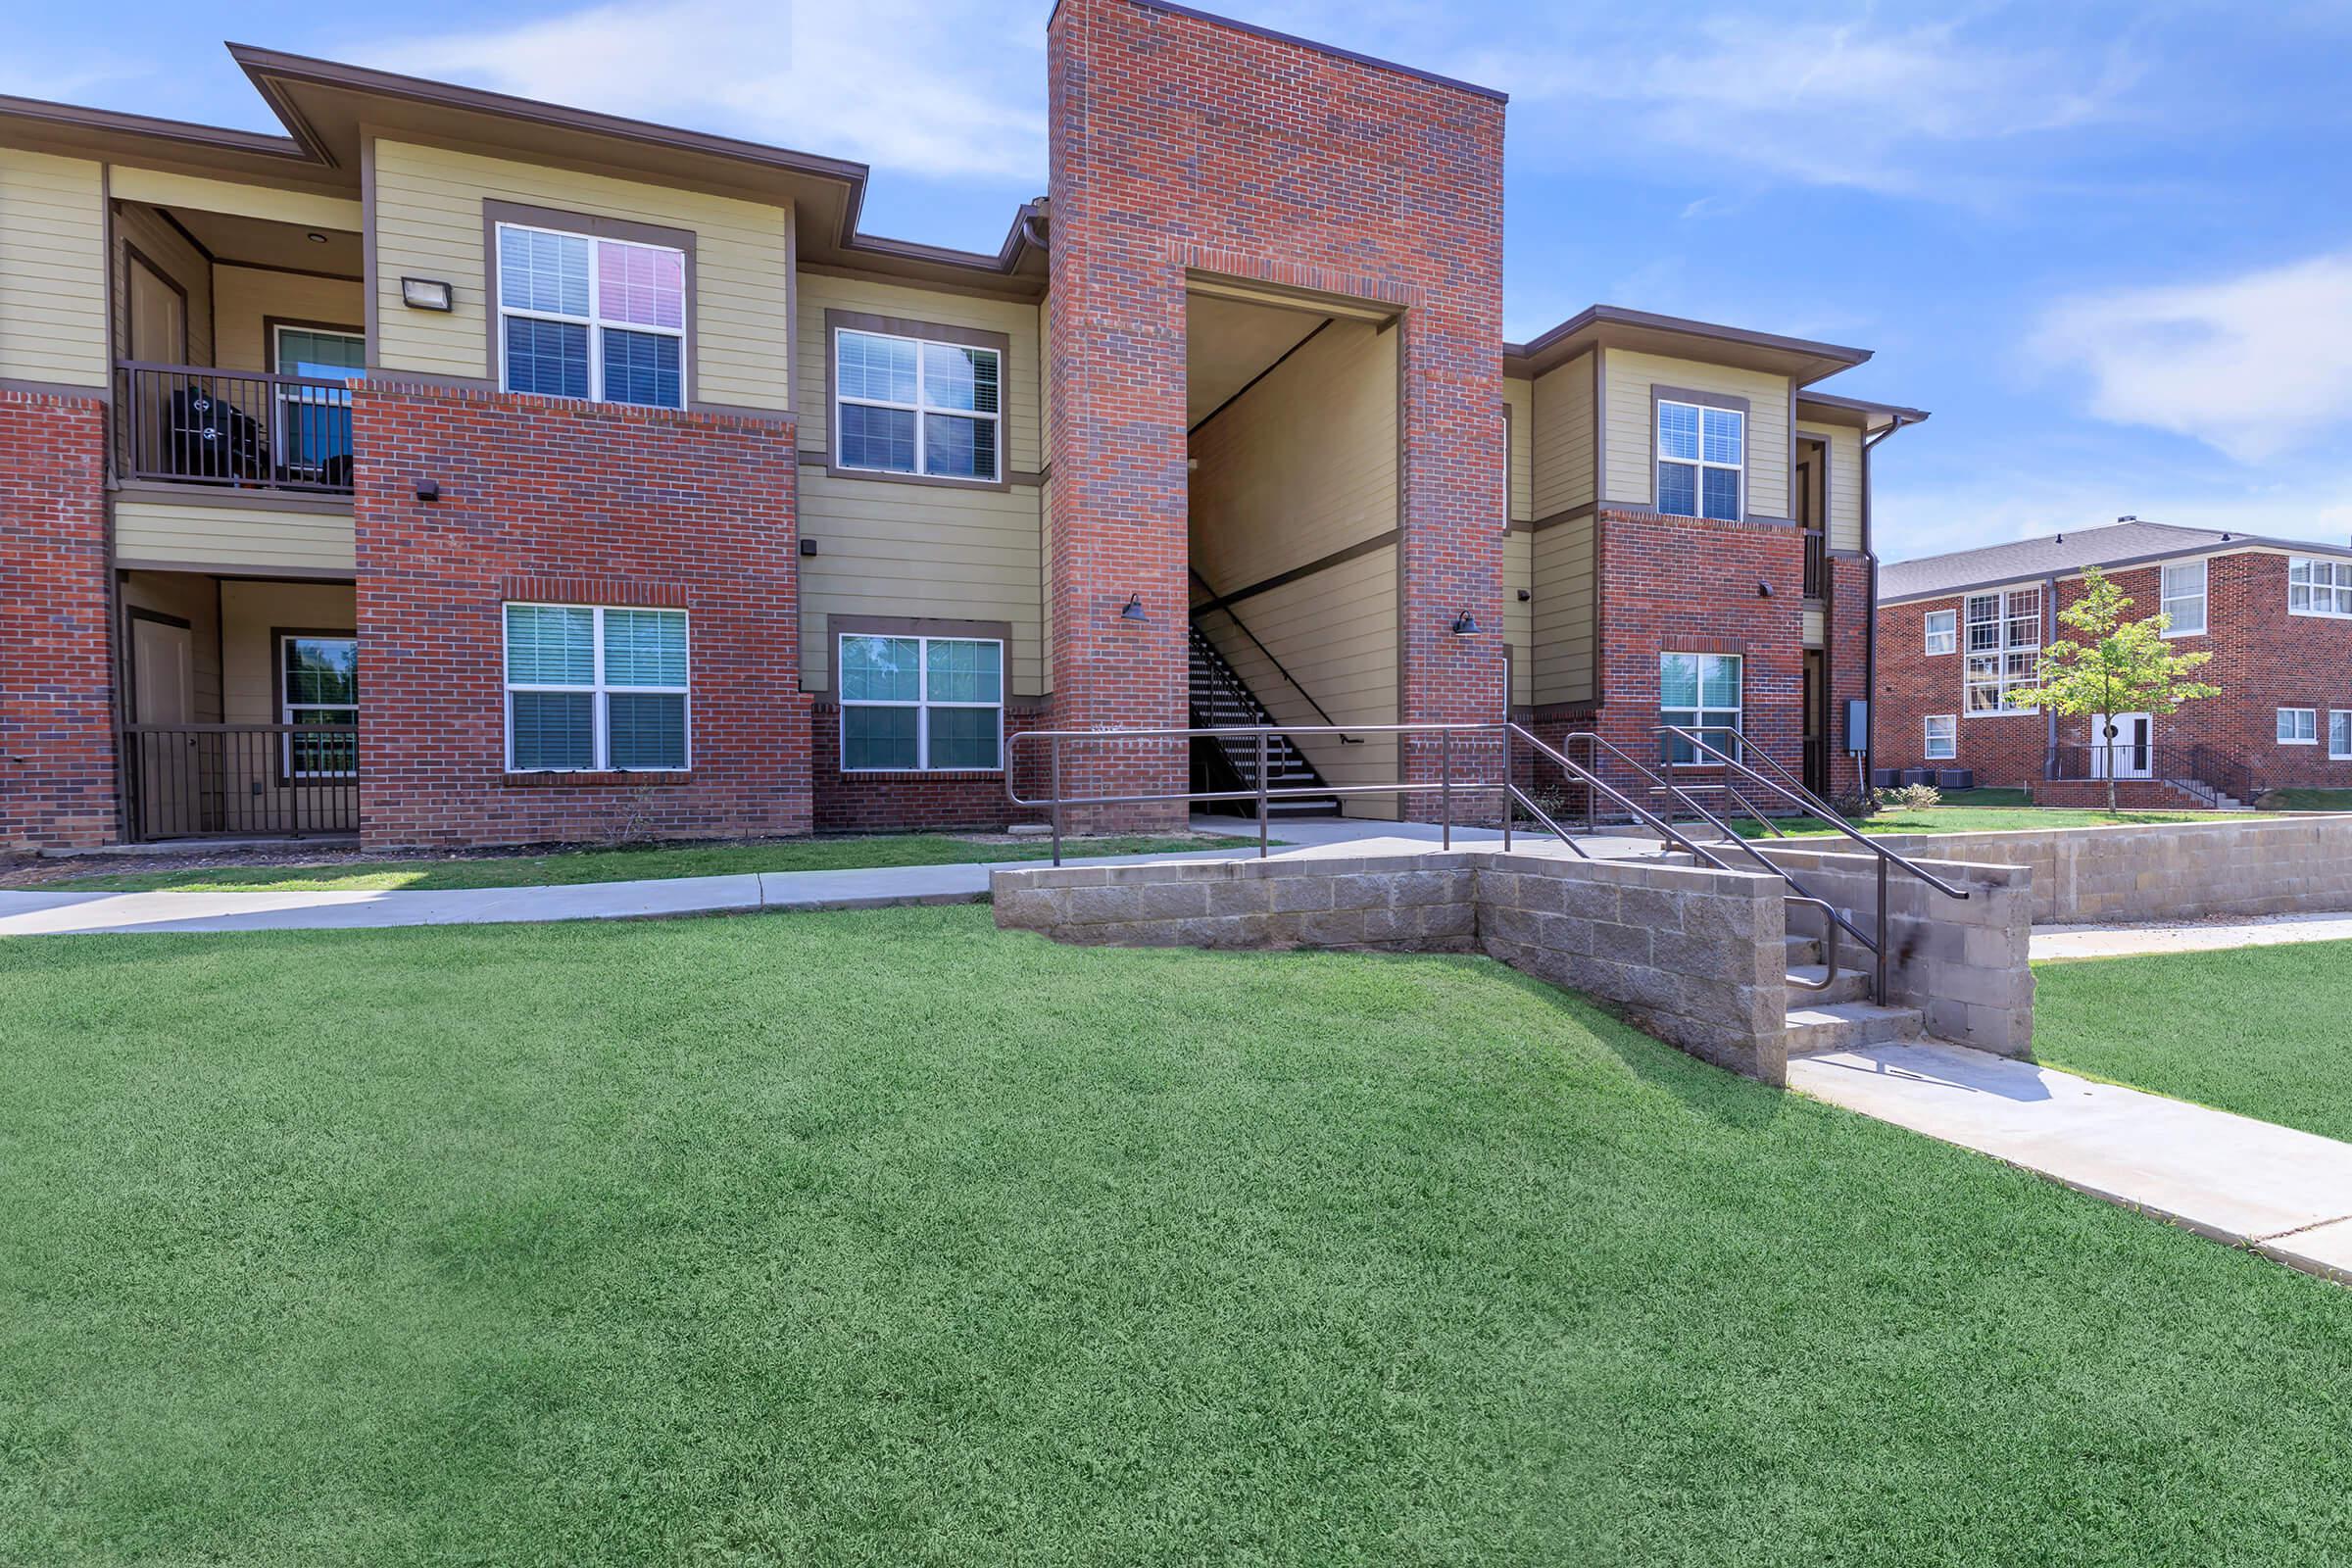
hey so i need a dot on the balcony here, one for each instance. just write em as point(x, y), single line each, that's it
point(232, 431)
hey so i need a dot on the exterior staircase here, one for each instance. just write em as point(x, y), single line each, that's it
point(1220, 700)
point(1842, 1015)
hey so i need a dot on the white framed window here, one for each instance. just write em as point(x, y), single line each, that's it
point(1702, 457)
point(1943, 737)
point(2004, 650)
point(2340, 735)
point(1943, 631)
point(581, 316)
point(2298, 726)
point(1701, 692)
point(2319, 587)
point(319, 689)
point(596, 690)
point(2182, 593)
point(917, 704)
point(908, 404)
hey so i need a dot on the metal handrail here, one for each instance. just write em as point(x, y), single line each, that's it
point(1664, 785)
point(1193, 619)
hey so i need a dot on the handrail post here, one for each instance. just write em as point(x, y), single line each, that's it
point(1261, 793)
point(1055, 749)
point(1445, 787)
point(1880, 983)
point(1511, 785)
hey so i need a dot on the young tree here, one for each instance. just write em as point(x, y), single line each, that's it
point(2112, 665)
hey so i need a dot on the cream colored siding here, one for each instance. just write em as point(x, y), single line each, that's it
point(168, 252)
point(1519, 398)
point(1562, 621)
point(1045, 586)
point(1016, 319)
point(52, 270)
point(920, 550)
point(1560, 447)
point(1845, 482)
point(1814, 624)
point(191, 598)
point(165, 189)
point(429, 224)
point(1631, 376)
point(245, 296)
point(1300, 467)
point(207, 533)
point(1518, 616)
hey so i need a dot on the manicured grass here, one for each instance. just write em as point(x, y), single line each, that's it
point(627, 864)
point(2260, 1031)
point(885, 1238)
point(1980, 819)
point(2306, 801)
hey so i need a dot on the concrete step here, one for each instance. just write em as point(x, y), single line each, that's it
point(1843, 1025)
point(1848, 985)
point(1802, 951)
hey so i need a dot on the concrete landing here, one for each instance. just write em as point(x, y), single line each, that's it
point(2198, 936)
point(2286, 1193)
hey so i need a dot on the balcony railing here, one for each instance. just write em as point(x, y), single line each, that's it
point(1817, 563)
point(238, 429)
point(203, 781)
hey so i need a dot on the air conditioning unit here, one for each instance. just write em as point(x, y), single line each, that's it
point(1955, 778)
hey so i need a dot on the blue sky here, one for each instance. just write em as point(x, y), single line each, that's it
point(2108, 245)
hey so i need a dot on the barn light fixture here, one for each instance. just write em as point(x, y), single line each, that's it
point(1465, 624)
point(1133, 609)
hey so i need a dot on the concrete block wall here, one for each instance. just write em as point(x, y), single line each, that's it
point(1963, 962)
point(2259, 865)
point(1407, 903)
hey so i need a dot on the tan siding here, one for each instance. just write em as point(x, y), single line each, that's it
point(1519, 398)
point(1018, 320)
point(165, 189)
point(143, 229)
point(429, 224)
point(1846, 481)
point(193, 600)
point(1629, 378)
point(1814, 625)
point(207, 533)
point(1518, 617)
point(1560, 450)
point(1045, 586)
point(920, 550)
point(52, 270)
point(1562, 622)
point(1302, 465)
point(244, 297)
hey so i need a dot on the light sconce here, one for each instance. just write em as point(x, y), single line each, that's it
point(427, 294)
point(1763, 590)
point(1133, 609)
point(1465, 624)
point(428, 489)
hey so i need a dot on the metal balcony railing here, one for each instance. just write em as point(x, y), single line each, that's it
point(194, 781)
point(238, 429)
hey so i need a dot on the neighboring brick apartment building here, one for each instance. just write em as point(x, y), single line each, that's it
point(1955, 631)
point(457, 468)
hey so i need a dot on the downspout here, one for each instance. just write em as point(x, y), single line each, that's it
point(1870, 646)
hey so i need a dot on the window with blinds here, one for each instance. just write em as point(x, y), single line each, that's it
point(595, 689)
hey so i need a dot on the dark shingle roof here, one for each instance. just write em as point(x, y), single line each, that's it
point(2061, 554)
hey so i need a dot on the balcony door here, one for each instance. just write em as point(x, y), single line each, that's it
point(159, 313)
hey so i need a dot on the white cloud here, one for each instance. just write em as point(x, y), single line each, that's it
point(2256, 366)
point(941, 87)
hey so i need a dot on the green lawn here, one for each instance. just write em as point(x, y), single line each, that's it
point(2255, 1030)
point(1976, 819)
point(627, 864)
point(2306, 801)
point(884, 1237)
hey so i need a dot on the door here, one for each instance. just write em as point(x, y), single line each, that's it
point(168, 765)
point(2125, 748)
point(158, 316)
point(314, 423)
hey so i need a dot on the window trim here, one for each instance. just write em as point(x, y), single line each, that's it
point(840, 321)
point(2203, 596)
point(280, 636)
point(590, 226)
point(1926, 631)
point(1739, 746)
point(1928, 737)
point(600, 753)
point(2003, 653)
point(2345, 755)
point(2298, 741)
point(2339, 569)
point(1692, 397)
point(922, 703)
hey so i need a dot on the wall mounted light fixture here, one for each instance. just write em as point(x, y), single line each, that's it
point(1465, 624)
point(1133, 609)
point(427, 294)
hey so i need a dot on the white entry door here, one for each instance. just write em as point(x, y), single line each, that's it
point(2122, 746)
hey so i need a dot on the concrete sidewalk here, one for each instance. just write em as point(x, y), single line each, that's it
point(2285, 1194)
point(30, 912)
point(2127, 941)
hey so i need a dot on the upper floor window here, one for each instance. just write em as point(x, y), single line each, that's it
point(590, 318)
point(1943, 634)
point(915, 406)
point(2004, 648)
point(2183, 599)
point(1701, 455)
point(2319, 587)
point(1943, 738)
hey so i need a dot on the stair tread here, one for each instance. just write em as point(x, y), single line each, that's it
point(1818, 971)
point(1835, 1013)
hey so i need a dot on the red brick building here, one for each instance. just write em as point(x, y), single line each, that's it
point(1955, 630)
point(458, 468)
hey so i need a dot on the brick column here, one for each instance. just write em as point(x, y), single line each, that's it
point(57, 710)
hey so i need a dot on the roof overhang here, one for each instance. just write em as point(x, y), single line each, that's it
point(1870, 419)
point(1614, 326)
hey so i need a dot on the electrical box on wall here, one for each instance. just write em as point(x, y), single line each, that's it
point(1858, 724)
